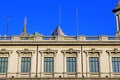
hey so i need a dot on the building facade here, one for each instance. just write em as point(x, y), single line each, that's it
point(60, 56)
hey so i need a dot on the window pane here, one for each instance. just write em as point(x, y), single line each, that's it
point(93, 64)
point(3, 64)
point(71, 64)
point(25, 64)
point(48, 64)
point(116, 64)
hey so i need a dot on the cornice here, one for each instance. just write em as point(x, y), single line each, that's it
point(76, 43)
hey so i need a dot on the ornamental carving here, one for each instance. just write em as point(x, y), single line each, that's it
point(4, 52)
point(25, 52)
point(48, 52)
point(70, 52)
point(114, 51)
point(93, 52)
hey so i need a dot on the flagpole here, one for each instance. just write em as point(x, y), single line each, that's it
point(77, 22)
point(7, 24)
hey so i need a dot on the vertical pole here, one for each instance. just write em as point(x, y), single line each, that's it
point(99, 64)
point(87, 58)
point(64, 64)
point(117, 22)
point(82, 60)
point(7, 24)
point(77, 23)
point(18, 65)
point(36, 61)
point(109, 64)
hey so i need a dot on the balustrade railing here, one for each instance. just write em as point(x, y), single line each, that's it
point(92, 38)
point(5, 37)
point(113, 38)
point(27, 38)
point(48, 38)
point(61, 38)
point(70, 38)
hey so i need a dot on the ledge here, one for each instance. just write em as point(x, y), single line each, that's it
point(116, 73)
point(48, 73)
point(25, 73)
point(94, 73)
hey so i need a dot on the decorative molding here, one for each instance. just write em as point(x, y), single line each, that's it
point(70, 51)
point(25, 52)
point(48, 52)
point(115, 51)
point(4, 52)
point(93, 51)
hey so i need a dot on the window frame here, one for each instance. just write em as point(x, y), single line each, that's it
point(70, 61)
point(49, 61)
point(116, 64)
point(23, 66)
point(94, 64)
point(3, 62)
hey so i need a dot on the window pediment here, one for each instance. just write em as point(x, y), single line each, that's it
point(25, 52)
point(115, 51)
point(48, 52)
point(70, 51)
point(93, 51)
point(4, 52)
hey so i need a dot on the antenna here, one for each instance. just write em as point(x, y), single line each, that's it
point(7, 23)
point(77, 23)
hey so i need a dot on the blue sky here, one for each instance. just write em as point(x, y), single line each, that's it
point(95, 16)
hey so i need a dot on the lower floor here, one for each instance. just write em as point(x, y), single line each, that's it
point(61, 75)
point(59, 78)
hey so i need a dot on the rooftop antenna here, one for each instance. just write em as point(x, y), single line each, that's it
point(7, 24)
point(77, 22)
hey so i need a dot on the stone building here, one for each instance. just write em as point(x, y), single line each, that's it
point(60, 56)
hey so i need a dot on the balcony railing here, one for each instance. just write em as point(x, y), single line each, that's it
point(27, 38)
point(48, 38)
point(92, 38)
point(60, 38)
point(5, 37)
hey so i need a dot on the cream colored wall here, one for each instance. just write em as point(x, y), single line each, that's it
point(14, 63)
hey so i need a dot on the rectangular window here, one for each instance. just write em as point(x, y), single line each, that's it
point(48, 64)
point(116, 64)
point(71, 64)
point(25, 64)
point(3, 64)
point(94, 64)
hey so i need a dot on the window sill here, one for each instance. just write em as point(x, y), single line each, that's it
point(3, 73)
point(25, 73)
point(71, 73)
point(116, 73)
point(94, 73)
point(48, 73)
